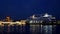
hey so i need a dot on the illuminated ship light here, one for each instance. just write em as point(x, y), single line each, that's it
point(46, 15)
point(41, 18)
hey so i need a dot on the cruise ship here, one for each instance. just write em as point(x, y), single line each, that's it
point(42, 24)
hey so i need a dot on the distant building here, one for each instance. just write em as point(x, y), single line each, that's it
point(7, 19)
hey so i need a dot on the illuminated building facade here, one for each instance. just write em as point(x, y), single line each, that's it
point(12, 27)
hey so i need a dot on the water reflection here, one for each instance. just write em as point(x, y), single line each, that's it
point(27, 29)
point(41, 29)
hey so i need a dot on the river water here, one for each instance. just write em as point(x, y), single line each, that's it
point(28, 29)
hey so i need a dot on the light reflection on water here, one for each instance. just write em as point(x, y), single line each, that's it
point(41, 29)
point(27, 29)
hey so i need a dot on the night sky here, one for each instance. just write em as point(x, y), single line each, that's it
point(22, 9)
